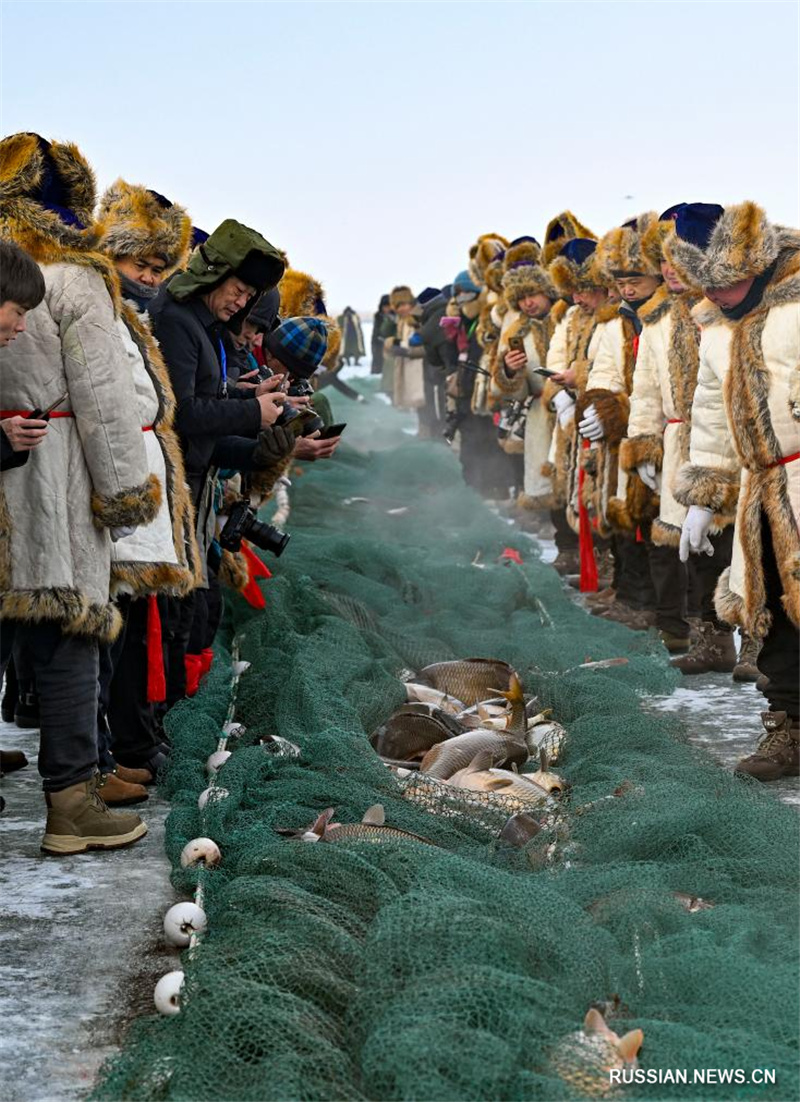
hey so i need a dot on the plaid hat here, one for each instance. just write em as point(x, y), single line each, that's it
point(299, 344)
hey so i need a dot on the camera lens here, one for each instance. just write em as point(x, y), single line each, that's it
point(266, 536)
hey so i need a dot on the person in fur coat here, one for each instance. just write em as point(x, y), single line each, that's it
point(147, 238)
point(623, 512)
point(745, 443)
point(85, 486)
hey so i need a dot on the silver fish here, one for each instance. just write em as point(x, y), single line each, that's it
point(449, 757)
point(372, 828)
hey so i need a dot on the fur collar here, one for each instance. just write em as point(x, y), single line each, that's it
point(658, 305)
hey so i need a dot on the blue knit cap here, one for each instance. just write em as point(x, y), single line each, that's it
point(694, 222)
point(299, 344)
point(463, 282)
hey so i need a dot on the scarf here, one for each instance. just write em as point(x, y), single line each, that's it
point(140, 293)
point(753, 297)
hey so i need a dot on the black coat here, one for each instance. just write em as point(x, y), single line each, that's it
point(8, 457)
point(440, 351)
point(206, 410)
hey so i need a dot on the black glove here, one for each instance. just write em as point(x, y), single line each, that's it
point(400, 350)
point(274, 443)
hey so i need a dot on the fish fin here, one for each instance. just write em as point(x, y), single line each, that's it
point(544, 761)
point(629, 1045)
point(480, 763)
point(320, 824)
point(514, 768)
point(594, 1022)
point(374, 816)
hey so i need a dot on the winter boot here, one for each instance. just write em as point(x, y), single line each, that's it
point(778, 753)
point(26, 713)
point(712, 652)
point(11, 761)
point(637, 619)
point(601, 599)
point(133, 776)
point(567, 562)
point(78, 820)
point(116, 792)
point(746, 669)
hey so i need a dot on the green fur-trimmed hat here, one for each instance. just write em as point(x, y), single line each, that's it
point(232, 249)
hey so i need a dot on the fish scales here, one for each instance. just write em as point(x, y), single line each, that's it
point(447, 758)
point(471, 680)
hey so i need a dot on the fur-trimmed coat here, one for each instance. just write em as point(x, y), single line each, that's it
point(661, 404)
point(527, 386)
point(162, 557)
point(90, 473)
point(409, 371)
point(746, 416)
point(608, 386)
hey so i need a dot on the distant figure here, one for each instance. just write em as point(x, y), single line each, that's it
point(352, 337)
point(384, 309)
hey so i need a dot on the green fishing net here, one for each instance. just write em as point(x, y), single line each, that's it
point(461, 969)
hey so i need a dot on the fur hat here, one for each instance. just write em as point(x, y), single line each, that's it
point(528, 279)
point(400, 295)
point(575, 267)
point(489, 248)
point(655, 235)
point(709, 251)
point(301, 295)
point(137, 222)
point(47, 190)
point(620, 250)
point(522, 250)
point(561, 229)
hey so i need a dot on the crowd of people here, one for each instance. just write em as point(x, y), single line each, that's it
point(640, 391)
point(157, 384)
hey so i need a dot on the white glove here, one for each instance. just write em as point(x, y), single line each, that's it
point(564, 405)
point(647, 473)
point(591, 427)
point(121, 532)
point(694, 535)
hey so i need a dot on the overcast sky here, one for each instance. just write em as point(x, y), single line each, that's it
point(375, 141)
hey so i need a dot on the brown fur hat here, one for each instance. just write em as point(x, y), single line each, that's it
point(561, 229)
point(528, 279)
point(399, 295)
point(304, 296)
point(620, 250)
point(742, 244)
point(138, 222)
point(523, 250)
point(487, 250)
point(29, 164)
point(569, 276)
point(653, 240)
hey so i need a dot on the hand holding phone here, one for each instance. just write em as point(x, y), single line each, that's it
point(331, 432)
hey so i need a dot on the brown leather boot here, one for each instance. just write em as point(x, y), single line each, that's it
point(78, 820)
point(675, 644)
point(116, 792)
point(134, 776)
point(12, 760)
point(601, 599)
point(712, 652)
point(567, 562)
point(746, 669)
point(634, 618)
point(778, 753)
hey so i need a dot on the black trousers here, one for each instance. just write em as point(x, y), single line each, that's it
point(177, 614)
point(208, 609)
point(634, 583)
point(65, 668)
point(566, 539)
point(704, 572)
point(123, 689)
point(671, 584)
point(779, 659)
point(484, 464)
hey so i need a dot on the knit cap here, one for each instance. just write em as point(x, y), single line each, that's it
point(299, 344)
point(463, 282)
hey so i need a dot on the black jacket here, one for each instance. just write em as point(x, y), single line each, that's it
point(440, 351)
point(8, 457)
point(205, 409)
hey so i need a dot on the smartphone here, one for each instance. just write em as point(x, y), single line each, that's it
point(331, 431)
point(544, 371)
point(516, 344)
point(44, 414)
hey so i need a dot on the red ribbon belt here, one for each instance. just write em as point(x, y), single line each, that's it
point(782, 462)
point(676, 421)
point(5, 413)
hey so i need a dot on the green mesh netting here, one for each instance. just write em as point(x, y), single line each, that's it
point(460, 970)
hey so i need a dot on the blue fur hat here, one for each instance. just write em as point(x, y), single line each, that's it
point(578, 249)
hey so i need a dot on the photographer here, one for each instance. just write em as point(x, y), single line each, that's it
point(76, 494)
point(190, 317)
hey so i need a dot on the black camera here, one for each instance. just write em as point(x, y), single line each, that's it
point(451, 424)
point(311, 423)
point(242, 524)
